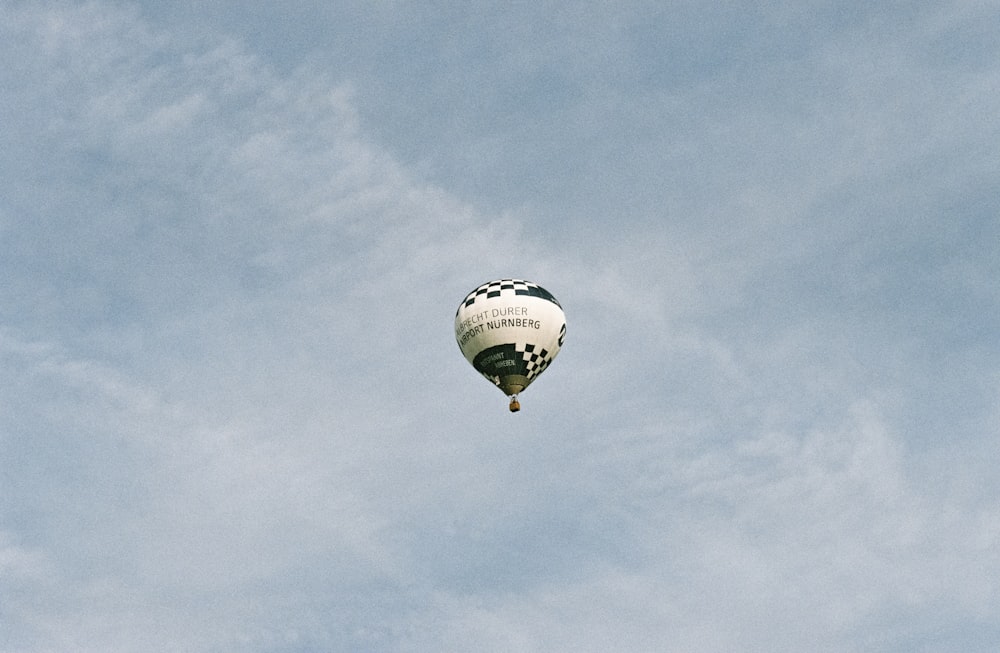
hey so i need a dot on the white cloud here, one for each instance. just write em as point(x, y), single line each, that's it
point(238, 419)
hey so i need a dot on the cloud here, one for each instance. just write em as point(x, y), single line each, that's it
point(237, 419)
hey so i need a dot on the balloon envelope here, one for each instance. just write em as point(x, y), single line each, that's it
point(510, 330)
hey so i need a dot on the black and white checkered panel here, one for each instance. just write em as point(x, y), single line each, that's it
point(535, 361)
point(501, 287)
point(492, 378)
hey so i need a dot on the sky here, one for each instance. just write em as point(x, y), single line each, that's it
point(233, 237)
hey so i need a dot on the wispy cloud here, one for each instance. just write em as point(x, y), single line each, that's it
point(233, 415)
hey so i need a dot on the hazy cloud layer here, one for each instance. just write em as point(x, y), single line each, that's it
point(233, 416)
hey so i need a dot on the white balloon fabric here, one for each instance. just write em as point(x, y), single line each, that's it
point(510, 330)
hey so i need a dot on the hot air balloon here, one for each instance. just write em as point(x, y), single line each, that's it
point(510, 330)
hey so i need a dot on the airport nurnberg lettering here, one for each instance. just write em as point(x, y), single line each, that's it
point(497, 318)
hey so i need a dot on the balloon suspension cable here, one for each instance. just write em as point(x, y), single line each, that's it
point(514, 405)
